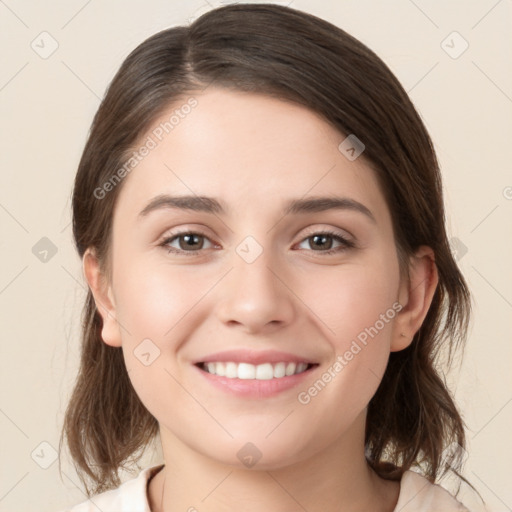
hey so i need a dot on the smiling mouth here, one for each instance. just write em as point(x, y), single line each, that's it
point(247, 371)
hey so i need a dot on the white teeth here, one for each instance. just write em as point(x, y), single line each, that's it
point(290, 369)
point(265, 371)
point(219, 369)
point(301, 367)
point(246, 371)
point(279, 370)
point(231, 370)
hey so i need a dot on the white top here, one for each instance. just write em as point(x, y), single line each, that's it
point(417, 494)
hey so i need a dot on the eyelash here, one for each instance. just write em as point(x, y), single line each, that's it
point(346, 244)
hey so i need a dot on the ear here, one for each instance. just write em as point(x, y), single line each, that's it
point(415, 296)
point(103, 297)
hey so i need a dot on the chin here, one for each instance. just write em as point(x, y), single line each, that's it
point(259, 453)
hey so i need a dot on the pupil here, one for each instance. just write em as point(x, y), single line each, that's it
point(322, 239)
point(191, 240)
point(319, 240)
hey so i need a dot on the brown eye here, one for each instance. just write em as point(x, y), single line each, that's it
point(191, 241)
point(323, 242)
point(188, 242)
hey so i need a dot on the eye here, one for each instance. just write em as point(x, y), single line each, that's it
point(188, 242)
point(324, 240)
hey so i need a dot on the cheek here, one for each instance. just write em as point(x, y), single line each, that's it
point(359, 309)
point(354, 298)
point(359, 312)
point(154, 298)
point(157, 304)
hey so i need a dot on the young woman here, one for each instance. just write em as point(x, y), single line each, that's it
point(259, 213)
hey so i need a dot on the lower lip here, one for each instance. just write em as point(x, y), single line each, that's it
point(255, 388)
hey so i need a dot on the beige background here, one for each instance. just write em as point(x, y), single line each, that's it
point(47, 106)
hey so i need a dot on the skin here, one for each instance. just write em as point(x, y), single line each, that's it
point(253, 153)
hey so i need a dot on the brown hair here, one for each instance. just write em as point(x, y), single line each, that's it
point(296, 57)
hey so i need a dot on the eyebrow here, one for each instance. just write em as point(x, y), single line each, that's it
point(212, 205)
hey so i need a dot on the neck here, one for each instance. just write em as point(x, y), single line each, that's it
point(337, 478)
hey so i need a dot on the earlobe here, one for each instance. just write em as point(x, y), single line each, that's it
point(103, 297)
point(415, 296)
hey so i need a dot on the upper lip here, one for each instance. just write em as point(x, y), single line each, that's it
point(254, 357)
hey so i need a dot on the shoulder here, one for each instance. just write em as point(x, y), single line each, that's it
point(417, 494)
point(131, 496)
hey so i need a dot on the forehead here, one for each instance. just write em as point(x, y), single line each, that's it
point(251, 150)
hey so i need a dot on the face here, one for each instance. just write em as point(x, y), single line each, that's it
point(279, 269)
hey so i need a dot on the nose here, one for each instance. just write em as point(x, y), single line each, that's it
point(255, 296)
